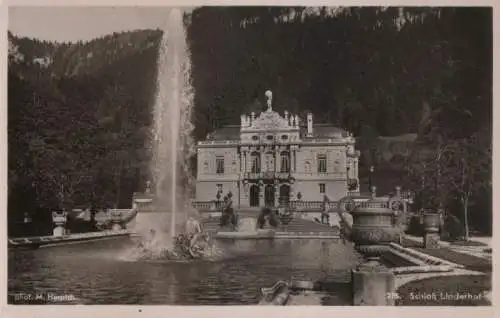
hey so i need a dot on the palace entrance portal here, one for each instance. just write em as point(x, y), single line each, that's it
point(284, 194)
point(269, 192)
point(254, 195)
point(269, 195)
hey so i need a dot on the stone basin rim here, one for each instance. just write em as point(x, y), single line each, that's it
point(372, 211)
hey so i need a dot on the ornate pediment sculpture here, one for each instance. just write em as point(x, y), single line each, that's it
point(269, 119)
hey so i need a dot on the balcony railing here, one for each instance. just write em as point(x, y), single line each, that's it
point(353, 193)
point(207, 205)
point(218, 142)
point(372, 205)
point(267, 175)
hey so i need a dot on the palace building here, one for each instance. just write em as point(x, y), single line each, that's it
point(270, 159)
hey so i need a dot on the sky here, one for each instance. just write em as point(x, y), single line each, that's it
point(82, 23)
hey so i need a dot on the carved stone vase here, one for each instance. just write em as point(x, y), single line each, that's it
point(373, 228)
point(372, 232)
point(116, 220)
point(59, 219)
point(432, 222)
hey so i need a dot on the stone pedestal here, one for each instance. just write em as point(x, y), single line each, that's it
point(372, 282)
point(59, 231)
point(431, 240)
point(372, 231)
point(116, 227)
point(247, 225)
point(431, 230)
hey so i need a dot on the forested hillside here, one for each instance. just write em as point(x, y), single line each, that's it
point(79, 113)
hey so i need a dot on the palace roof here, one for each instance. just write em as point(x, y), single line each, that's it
point(232, 132)
point(324, 131)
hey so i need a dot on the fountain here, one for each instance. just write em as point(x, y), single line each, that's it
point(171, 142)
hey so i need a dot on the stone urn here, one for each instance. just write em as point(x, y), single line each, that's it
point(116, 220)
point(432, 221)
point(59, 219)
point(372, 229)
point(143, 202)
point(372, 232)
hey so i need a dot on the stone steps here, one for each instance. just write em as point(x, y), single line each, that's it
point(296, 225)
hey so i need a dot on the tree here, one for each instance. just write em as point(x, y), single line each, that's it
point(468, 169)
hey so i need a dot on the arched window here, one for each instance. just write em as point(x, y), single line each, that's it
point(321, 163)
point(285, 161)
point(254, 195)
point(255, 162)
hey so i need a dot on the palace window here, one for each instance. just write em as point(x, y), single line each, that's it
point(322, 188)
point(219, 162)
point(321, 163)
point(255, 162)
point(285, 162)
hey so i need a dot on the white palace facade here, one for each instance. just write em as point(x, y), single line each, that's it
point(271, 159)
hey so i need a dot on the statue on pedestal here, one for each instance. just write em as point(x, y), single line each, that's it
point(228, 216)
point(269, 96)
point(267, 217)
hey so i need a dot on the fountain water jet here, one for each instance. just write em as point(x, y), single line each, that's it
point(171, 143)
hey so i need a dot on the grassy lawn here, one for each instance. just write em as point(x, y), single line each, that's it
point(467, 243)
point(464, 290)
point(470, 262)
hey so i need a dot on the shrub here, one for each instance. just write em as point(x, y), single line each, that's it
point(415, 226)
point(452, 228)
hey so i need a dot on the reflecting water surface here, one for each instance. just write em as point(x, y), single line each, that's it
point(97, 273)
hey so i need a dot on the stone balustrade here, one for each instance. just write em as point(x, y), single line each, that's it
point(207, 205)
point(267, 175)
point(218, 142)
point(297, 205)
point(372, 205)
point(300, 205)
point(316, 141)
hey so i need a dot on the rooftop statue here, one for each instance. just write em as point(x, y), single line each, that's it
point(269, 96)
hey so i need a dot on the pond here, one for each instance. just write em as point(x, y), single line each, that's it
point(97, 273)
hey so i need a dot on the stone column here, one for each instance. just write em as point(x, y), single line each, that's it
point(248, 161)
point(294, 166)
point(262, 150)
point(356, 173)
point(241, 161)
point(277, 162)
point(276, 193)
point(261, 194)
